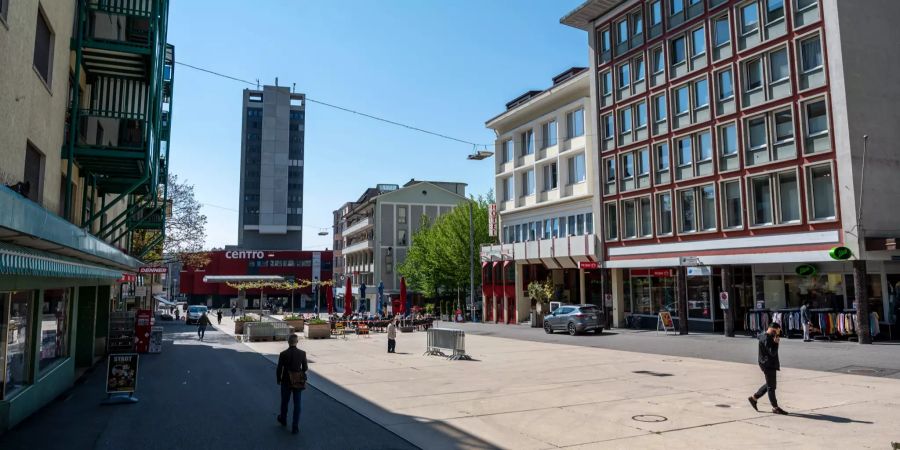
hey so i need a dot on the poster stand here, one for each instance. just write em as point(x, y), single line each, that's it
point(664, 321)
point(121, 379)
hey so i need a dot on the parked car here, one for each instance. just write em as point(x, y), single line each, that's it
point(193, 314)
point(575, 319)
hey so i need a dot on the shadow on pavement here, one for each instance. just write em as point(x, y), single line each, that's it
point(829, 418)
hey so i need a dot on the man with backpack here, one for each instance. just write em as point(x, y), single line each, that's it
point(291, 375)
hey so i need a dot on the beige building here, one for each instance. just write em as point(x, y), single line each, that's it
point(546, 184)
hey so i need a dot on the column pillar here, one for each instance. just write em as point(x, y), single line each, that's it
point(682, 300)
point(581, 286)
point(618, 293)
point(861, 288)
point(727, 284)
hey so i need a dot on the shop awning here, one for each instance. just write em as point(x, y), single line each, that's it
point(163, 300)
point(15, 260)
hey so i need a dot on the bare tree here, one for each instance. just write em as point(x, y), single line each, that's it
point(185, 228)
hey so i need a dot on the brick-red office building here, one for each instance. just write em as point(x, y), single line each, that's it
point(297, 265)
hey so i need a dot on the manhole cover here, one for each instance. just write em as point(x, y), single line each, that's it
point(864, 370)
point(723, 406)
point(649, 418)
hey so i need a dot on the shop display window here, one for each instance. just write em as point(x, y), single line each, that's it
point(698, 293)
point(791, 291)
point(15, 340)
point(54, 327)
point(649, 291)
point(873, 288)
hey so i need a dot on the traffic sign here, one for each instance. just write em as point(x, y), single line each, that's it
point(723, 300)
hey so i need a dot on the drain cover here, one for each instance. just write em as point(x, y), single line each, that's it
point(866, 370)
point(649, 418)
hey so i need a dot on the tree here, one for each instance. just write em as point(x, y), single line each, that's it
point(185, 229)
point(438, 259)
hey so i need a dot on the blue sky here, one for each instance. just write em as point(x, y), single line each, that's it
point(445, 66)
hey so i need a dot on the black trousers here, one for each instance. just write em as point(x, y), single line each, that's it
point(769, 387)
point(392, 345)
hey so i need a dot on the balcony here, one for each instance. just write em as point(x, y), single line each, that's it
point(361, 268)
point(359, 247)
point(361, 225)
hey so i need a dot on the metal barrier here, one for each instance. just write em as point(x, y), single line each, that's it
point(281, 331)
point(266, 331)
point(439, 339)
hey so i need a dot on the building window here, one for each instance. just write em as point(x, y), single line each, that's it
point(622, 31)
point(726, 85)
point(810, 54)
point(401, 214)
point(707, 208)
point(401, 237)
point(644, 162)
point(637, 23)
point(646, 213)
point(816, 118)
point(704, 147)
point(687, 222)
point(753, 75)
point(821, 192)
point(698, 41)
point(625, 121)
point(784, 127)
point(659, 112)
point(804, 4)
point(528, 142)
point(682, 101)
point(576, 169)
point(732, 206)
point(627, 166)
point(749, 18)
point(575, 123)
point(677, 51)
point(728, 139)
point(550, 177)
point(604, 41)
point(611, 222)
point(608, 127)
point(761, 193)
point(624, 77)
point(639, 70)
point(606, 81)
point(684, 151)
point(589, 223)
point(16, 340)
point(548, 130)
point(677, 6)
point(778, 66)
point(54, 327)
point(508, 151)
point(788, 198)
point(4, 8)
point(662, 157)
point(641, 115)
point(610, 170)
point(656, 13)
point(664, 214)
point(528, 183)
point(701, 94)
point(774, 10)
point(722, 33)
point(43, 48)
point(629, 219)
point(756, 132)
point(658, 62)
point(508, 189)
point(34, 173)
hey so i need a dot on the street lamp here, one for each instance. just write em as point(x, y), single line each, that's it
point(479, 155)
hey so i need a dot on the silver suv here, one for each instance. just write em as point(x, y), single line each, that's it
point(575, 319)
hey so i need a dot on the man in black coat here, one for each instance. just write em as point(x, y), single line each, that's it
point(291, 360)
point(768, 362)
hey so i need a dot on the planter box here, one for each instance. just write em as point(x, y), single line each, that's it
point(297, 325)
point(407, 329)
point(261, 331)
point(318, 331)
point(239, 327)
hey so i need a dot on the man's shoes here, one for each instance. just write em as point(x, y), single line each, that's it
point(282, 421)
point(753, 403)
point(295, 430)
point(777, 410)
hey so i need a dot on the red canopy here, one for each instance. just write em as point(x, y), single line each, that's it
point(329, 299)
point(348, 299)
point(402, 295)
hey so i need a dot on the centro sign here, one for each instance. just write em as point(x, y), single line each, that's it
point(244, 255)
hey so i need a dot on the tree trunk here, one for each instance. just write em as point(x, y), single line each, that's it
point(682, 301)
point(860, 287)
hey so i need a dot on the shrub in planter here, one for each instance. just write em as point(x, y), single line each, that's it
point(294, 321)
point(318, 329)
point(240, 321)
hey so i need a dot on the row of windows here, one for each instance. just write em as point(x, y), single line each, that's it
point(767, 137)
point(772, 199)
point(549, 136)
point(576, 172)
point(553, 227)
point(280, 263)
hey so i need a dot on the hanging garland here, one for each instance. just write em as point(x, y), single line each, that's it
point(277, 285)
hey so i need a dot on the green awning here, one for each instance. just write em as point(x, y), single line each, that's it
point(15, 260)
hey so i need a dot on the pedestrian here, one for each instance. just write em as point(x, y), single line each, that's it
point(202, 322)
point(177, 314)
point(806, 319)
point(768, 362)
point(392, 336)
point(291, 375)
point(219, 316)
point(233, 312)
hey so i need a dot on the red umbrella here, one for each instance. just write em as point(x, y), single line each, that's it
point(329, 299)
point(402, 295)
point(348, 299)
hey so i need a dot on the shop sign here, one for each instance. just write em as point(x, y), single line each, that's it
point(244, 254)
point(121, 373)
point(658, 273)
point(492, 220)
point(760, 304)
point(664, 322)
point(840, 253)
point(127, 278)
point(140, 291)
point(153, 269)
point(806, 270)
point(588, 265)
point(702, 271)
point(689, 260)
point(723, 300)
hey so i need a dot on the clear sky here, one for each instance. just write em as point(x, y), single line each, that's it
point(445, 66)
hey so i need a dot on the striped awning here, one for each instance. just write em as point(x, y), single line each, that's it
point(15, 260)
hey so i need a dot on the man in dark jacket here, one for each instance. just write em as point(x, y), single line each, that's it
point(201, 325)
point(768, 362)
point(291, 360)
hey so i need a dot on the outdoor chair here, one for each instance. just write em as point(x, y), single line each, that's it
point(339, 330)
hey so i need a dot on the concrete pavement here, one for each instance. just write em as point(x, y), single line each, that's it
point(196, 395)
point(522, 394)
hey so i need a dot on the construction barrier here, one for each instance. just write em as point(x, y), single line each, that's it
point(439, 339)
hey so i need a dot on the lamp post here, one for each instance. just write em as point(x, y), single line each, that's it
point(315, 284)
point(478, 155)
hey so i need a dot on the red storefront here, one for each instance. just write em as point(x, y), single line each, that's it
point(296, 265)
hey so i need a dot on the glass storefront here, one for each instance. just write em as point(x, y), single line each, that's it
point(649, 291)
point(699, 292)
point(54, 327)
point(15, 340)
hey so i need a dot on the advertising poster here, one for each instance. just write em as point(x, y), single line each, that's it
point(156, 340)
point(121, 373)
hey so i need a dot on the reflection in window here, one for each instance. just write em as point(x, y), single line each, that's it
point(16, 340)
point(54, 327)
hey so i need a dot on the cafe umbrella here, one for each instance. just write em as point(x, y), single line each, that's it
point(404, 308)
point(348, 298)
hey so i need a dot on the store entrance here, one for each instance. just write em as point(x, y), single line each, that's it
point(742, 285)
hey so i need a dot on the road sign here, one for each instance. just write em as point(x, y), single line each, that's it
point(689, 260)
point(723, 300)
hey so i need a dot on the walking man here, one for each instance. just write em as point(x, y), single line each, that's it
point(806, 319)
point(201, 325)
point(768, 362)
point(392, 336)
point(291, 375)
point(233, 312)
point(219, 316)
